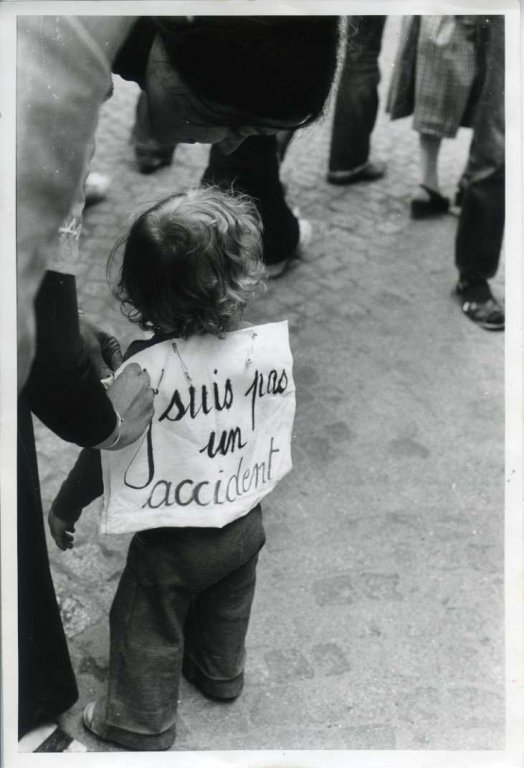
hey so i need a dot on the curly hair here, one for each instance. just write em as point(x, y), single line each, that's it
point(191, 263)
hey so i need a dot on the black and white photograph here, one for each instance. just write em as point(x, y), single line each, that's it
point(262, 392)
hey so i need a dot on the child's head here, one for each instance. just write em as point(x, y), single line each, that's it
point(191, 263)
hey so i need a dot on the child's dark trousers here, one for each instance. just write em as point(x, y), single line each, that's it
point(182, 605)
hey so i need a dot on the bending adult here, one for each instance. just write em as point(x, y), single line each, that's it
point(252, 168)
point(206, 79)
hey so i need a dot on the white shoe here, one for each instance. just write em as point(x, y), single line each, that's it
point(305, 233)
point(276, 270)
point(96, 187)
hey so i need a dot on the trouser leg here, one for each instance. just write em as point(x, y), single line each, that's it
point(284, 139)
point(167, 568)
point(216, 628)
point(481, 228)
point(146, 650)
point(253, 169)
point(357, 97)
point(150, 153)
point(481, 224)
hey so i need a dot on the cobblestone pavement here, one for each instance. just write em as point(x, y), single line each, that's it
point(377, 622)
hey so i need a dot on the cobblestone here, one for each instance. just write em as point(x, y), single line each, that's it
point(378, 619)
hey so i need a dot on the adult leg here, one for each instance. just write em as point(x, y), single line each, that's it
point(477, 248)
point(253, 169)
point(215, 633)
point(284, 139)
point(356, 103)
point(481, 224)
point(429, 152)
point(481, 228)
point(427, 200)
point(150, 154)
point(47, 685)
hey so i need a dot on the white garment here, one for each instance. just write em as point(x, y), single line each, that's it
point(63, 76)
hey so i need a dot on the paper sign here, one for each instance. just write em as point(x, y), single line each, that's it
point(220, 438)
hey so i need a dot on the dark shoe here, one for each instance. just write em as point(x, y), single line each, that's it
point(370, 171)
point(148, 161)
point(435, 205)
point(479, 304)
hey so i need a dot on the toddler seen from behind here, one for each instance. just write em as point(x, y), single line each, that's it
point(190, 488)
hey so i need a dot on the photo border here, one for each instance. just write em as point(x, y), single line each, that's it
point(514, 537)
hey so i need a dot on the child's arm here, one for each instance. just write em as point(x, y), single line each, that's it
point(83, 485)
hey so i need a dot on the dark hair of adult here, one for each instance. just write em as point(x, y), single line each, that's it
point(279, 67)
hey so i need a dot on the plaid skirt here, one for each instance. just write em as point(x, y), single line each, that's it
point(434, 76)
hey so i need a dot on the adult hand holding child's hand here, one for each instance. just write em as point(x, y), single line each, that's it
point(132, 399)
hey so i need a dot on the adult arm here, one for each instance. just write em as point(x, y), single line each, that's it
point(63, 389)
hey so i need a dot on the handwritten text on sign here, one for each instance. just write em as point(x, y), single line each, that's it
point(219, 440)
